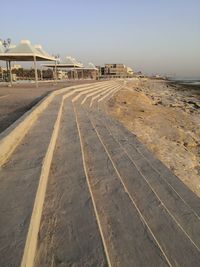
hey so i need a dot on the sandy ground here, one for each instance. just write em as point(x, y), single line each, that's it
point(165, 117)
point(15, 101)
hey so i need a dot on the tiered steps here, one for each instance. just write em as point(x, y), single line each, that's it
point(79, 189)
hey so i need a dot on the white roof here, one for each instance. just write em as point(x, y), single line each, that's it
point(25, 51)
point(41, 50)
point(72, 64)
point(90, 66)
point(68, 62)
point(24, 46)
point(72, 61)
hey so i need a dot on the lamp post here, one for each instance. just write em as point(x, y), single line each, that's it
point(6, 43)
point(57, 59)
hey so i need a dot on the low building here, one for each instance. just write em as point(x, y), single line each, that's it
point(116, 71)
point(16, 67)
point(61, 75)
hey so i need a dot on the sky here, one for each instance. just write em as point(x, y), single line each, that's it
point(152, 36)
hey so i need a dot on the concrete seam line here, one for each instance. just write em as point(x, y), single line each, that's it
point(81, 92)
point(91, 89)
point(102, 93)
point(105, 95)
point(10, 142)
point(90, 190)
point(109, 93)
point(104, 104)
point(160, 174)
point(91, 94)
point(118, 86)
point(96, 95)
point(74, 99)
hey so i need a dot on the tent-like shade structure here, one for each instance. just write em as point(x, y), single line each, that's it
point(25, 51)
point(41, 51)
point(68, 62)
point(89, 66)
point(73, 65)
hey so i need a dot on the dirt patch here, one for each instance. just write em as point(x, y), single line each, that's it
point(166, 120)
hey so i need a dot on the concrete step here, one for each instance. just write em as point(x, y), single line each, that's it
point(11, 137)
point(167, 212)
point(69, 233)
point(135, 149)
point(81, 190)
point(124, 234)
point(21, 177)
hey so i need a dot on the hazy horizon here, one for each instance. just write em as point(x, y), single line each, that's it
point(149, 36)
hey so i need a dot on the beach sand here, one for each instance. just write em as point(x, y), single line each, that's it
point(166, 118)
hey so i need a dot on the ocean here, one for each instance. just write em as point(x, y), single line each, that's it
point(187, 81)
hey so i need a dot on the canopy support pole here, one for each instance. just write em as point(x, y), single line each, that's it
point(36, 74)
point(10, 71)
point(41, 74)
point(7, 71)
point(56, 78)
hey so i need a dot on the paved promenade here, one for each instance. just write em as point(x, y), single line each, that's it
point(79, 189)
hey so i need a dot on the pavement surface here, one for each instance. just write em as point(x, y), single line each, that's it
point(81, 190)
point(16, 100)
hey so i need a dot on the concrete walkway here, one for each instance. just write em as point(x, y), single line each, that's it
point(80, 190)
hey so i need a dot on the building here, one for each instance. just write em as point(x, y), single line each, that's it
point(116, 71)
point(61, 75)
point(16, 67)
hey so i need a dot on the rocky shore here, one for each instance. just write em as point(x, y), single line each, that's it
point(166, 118)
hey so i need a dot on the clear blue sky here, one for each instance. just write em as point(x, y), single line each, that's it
point(155, 36)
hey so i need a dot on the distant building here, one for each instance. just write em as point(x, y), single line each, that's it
point(62, 75)
point(13, 67)
point(116, 71)
point(130, 71)
point(16, 67)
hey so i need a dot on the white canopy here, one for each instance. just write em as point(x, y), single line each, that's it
point(41, 51)
point(25, 51)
